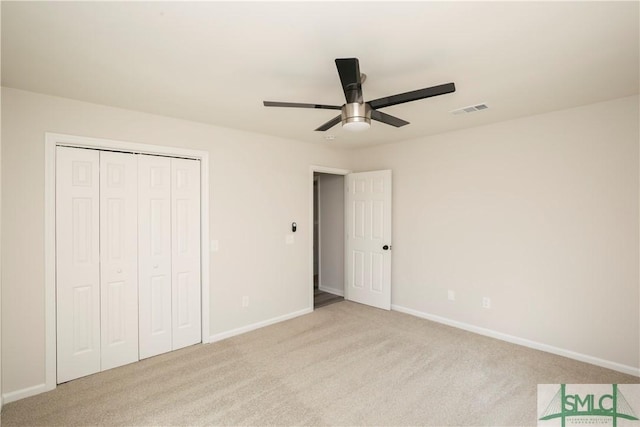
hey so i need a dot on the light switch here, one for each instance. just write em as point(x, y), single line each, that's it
point(289, 239)
point(214, 246)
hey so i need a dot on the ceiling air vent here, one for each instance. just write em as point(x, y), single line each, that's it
point(470, 109)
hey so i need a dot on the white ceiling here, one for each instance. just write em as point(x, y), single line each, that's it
point(215, 62)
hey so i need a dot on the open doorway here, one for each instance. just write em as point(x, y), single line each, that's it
point(328, 238)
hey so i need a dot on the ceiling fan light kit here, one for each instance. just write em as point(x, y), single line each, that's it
point(356, 117)
point(356, 114)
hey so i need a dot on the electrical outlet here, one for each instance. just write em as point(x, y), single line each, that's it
point(486, 302)
point(245, 301)
point(451, 295)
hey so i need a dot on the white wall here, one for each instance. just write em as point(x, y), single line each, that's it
point(331, 200)
point(258, 186)
point(541, 214)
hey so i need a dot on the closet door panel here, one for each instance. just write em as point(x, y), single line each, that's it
point(119, 258)
point(77, 263)
point(154, 255)
point(185, 260)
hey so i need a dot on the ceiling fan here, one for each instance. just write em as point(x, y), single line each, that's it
point(357, 114)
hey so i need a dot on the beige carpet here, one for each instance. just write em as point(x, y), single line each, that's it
point(344, 364)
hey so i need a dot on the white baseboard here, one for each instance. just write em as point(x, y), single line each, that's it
point(630, 370)
point(228, 334)
point(332, 290)
point(12, 396)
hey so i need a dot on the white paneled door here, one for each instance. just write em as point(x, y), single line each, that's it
point(118, 259)
point(185, 257)
point(368, 223)
point(168, 254)
point(128, 281)
point(77, 262)
point(154, 254)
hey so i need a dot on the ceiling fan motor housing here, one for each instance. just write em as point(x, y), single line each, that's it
point(356, 113)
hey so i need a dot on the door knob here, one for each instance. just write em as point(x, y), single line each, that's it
point(385, 247)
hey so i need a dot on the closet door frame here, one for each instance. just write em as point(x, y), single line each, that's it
point(53, 140)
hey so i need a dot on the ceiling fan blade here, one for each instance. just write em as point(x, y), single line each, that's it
point(388, 119)
point(331, 123)
point(349, 71)
point(412, 96)
point(300, 105)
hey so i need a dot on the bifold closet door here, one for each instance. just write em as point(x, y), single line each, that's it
point(96, 261)
point(127, 258)
point(154, 255)
point(168, 254)
point(185, 260)
point(118, 258)
point(77, 262)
